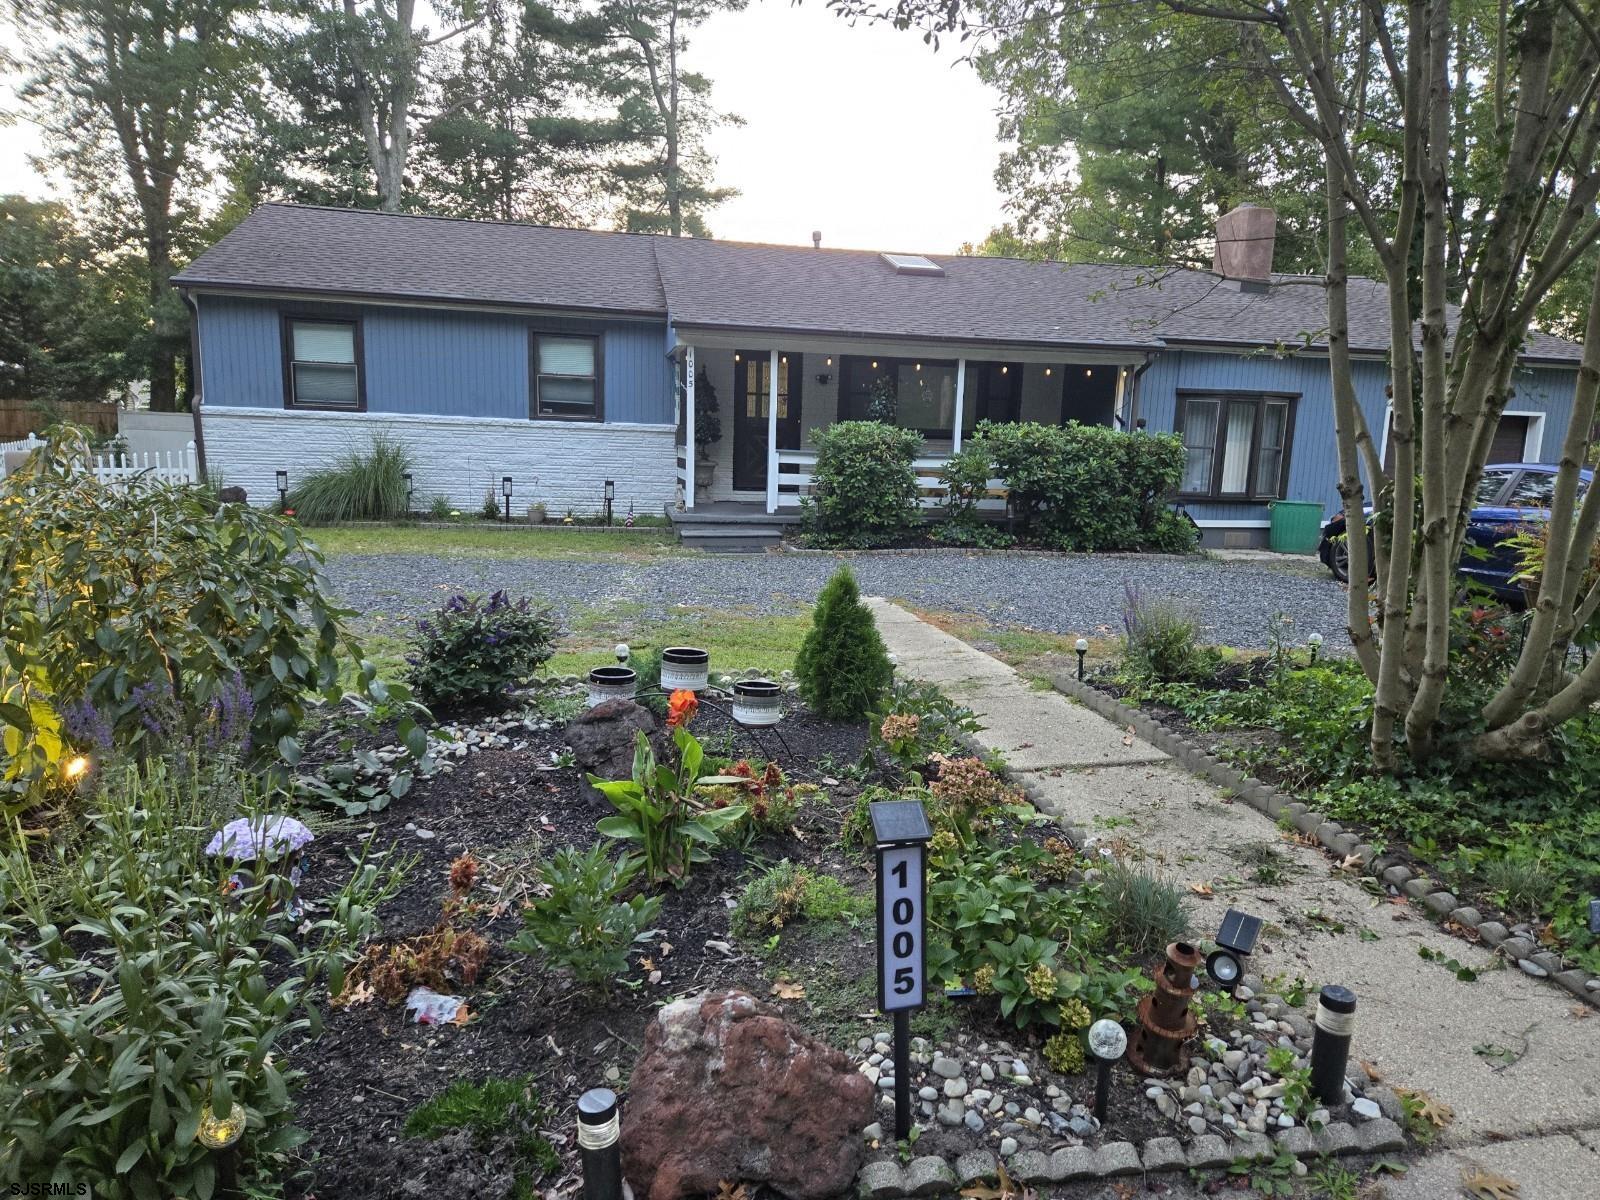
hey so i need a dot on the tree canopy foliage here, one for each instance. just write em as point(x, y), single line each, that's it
point(1459, 154)
point(170, 119)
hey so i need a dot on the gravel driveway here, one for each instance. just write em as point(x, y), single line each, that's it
point(1235, 601)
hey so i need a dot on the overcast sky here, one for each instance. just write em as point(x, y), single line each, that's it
point(863, 133)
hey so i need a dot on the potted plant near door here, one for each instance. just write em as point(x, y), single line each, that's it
point(707, 431)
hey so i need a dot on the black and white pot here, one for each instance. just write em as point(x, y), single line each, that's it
point(612, 683)
point(685, 667)
point(757, 702)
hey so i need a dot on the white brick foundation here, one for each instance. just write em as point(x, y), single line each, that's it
point(564, 464)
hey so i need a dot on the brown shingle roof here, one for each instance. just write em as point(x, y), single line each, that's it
point(296, 248)
point(735, 285)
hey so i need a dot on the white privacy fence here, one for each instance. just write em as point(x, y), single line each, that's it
point(166, 466)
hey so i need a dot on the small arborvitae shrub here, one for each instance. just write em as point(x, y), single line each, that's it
point(474, 650)
point(866, 491)
point(842, 667)
point(1064, 1053)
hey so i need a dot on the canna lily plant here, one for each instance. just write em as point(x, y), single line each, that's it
point(659, 811)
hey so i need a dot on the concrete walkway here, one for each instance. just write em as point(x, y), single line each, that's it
point(1536, 1120)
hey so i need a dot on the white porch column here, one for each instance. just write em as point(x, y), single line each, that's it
point(688, 425)
point(772, 435)
point(961, 398)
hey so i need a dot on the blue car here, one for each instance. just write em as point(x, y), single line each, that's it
point(1512, 497)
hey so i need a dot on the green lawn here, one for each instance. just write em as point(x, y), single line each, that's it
point(737, 640)
point(467, 541)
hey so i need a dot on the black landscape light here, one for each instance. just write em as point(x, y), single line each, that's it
point(411, 488)
point(611, 495)
point(283, 489)
point(1108, 1042)
point(599, 1130)
point(1082, 647)
point(1315, 642)
point(1235, 940)
point(1594, 915)
point(505, 490)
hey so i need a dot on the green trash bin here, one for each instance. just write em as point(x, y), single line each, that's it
point(1296, 526)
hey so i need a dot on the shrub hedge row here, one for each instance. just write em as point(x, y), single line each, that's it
point(1072, 487)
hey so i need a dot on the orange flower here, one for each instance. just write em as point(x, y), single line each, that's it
point(681, 707)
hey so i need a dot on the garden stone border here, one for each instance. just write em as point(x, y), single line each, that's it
point(1334, 840)
point(932, 1175)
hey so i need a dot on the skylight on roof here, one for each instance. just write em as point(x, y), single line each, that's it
point(912, 264)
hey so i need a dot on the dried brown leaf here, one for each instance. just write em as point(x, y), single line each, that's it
point(1372, 1071)
point(1486, 1185)
point(1435, 1111)
point(1201, 889)
point(1581, 1012)
point(728, 1190)
point(787, 989)
point(1350, 862)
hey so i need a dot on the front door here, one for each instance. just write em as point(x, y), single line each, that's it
point(752, 376)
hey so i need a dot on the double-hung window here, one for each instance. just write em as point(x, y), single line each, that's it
point(566, 377)
point(1235, 447)
point(322, 364)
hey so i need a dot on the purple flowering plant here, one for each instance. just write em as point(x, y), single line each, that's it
point(474, 649)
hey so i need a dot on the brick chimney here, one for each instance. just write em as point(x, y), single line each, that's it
point(1245, 238)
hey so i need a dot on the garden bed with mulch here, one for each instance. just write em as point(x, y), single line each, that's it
point(508, 797)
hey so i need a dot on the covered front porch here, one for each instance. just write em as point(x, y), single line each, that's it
point(750, 407)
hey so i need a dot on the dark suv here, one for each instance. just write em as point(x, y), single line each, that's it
point(1511, 498)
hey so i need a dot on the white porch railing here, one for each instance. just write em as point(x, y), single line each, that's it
point(799, 481)
point(165, 466)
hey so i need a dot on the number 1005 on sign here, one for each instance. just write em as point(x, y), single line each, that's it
point(900, 932)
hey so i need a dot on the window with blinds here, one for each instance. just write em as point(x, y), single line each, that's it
point(324, 370)
point(1235, 447)
point(566, 377)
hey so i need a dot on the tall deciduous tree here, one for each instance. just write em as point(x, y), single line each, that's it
point(1463, 145)
point(133, 97)
point(354, 74)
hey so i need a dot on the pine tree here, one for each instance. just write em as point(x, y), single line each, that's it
point(842, 666)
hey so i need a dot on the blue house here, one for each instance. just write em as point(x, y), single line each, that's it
point(566, 359)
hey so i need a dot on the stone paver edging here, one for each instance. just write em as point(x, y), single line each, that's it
point(932, 1175)
point(1534, 962)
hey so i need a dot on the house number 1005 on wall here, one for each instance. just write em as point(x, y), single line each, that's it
point(900, 928)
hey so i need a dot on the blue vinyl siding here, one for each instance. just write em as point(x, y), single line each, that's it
point(429, 361)
point(1314, 454)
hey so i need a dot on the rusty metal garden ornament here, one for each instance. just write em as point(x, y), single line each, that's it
point(1165, 1024)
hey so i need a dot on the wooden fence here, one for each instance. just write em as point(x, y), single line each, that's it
point(19, 418)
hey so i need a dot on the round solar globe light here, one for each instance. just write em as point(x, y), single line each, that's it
point(1108, 1041)
point(1082, 646)
point(622, 652)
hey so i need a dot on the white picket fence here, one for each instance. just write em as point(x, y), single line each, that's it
point(165, 466)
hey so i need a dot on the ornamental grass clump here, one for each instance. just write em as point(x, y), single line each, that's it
point(360, 485)
point(842, 667)
point(474, 650)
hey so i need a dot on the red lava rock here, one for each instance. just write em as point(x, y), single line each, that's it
point(727, 1089)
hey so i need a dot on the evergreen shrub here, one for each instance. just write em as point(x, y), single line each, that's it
point(842, 667)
